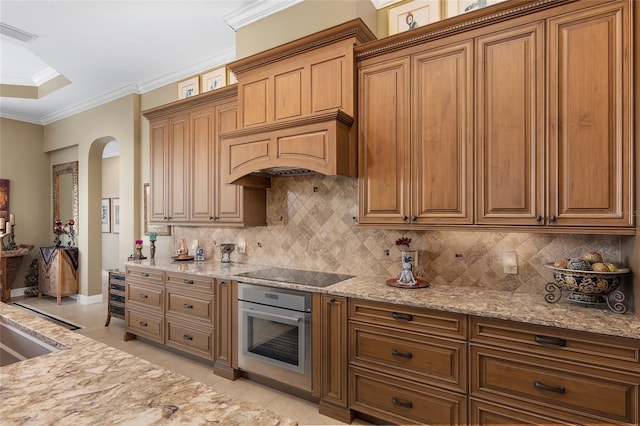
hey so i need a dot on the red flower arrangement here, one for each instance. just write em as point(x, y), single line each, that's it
point(405, 242)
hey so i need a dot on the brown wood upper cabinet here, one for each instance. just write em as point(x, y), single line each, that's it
point(297, 106)
point(187, 182)
point(521, 121)
point(415, 152)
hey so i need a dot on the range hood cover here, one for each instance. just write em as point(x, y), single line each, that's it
point(322, 144)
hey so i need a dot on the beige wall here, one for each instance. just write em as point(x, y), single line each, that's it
point(301, 20)
point(27, 167)
point(91, 131)
point(110, 189)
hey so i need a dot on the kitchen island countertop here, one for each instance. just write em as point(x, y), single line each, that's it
point(522, 307)
point(87, 382)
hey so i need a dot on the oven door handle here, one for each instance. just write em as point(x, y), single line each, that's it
point(268, 316)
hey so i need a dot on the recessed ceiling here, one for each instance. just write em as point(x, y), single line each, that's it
point(90, 52)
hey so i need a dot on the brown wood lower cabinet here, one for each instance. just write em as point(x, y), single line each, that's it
point(407, 365)
point(175, 309)
point(571, 377)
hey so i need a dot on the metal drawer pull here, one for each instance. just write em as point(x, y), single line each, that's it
point(407, 355)
point(542, 386)
point(553, 341)
point(406, 317)
point(187, 337)
point(143, 324)
point(405, 404)
point(187, 306)
point(144, 274)
point(188, 281)
point(143, 296)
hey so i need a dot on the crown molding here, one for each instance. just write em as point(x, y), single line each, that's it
point(256, 11)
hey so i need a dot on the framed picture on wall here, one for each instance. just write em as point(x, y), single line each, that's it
point(115, 205)
point(188, 88)
point(4, 199)
point(158, 229)
point(213, 80)
point(458, 7)
point(105, 212)
point(413, 14)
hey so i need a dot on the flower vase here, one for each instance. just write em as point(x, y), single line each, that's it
point(408, 259)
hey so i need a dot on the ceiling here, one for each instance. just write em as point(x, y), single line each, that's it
point(90, 52)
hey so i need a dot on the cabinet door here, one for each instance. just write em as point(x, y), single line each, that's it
point(202, 172)
point(178, 156)
point(226, 333)
point(229, 201)
point(509, 126)
point(589, 117)
point(442, 104)
point(158, 152)
point(383, 142)
point(334, 352)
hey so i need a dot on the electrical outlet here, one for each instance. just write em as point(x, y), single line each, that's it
point(509, 262)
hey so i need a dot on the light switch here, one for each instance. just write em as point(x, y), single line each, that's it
point(509, 262)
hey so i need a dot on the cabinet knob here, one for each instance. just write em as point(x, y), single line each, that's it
point(538, 218)
point(213, 218)
point(143, 324)
point(187, 337)
point(144, 296)
point(223, 283)
point(405, 217)
point(144, 274)
point(553, 218)
point(187, 306)
point(414, 218)
point(188, 281)
point(332, 300)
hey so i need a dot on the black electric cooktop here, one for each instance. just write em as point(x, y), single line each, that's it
point(296, 276)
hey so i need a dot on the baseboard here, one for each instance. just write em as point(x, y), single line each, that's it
point(89, 300)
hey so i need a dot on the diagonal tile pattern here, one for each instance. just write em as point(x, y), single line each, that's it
point(312, 224)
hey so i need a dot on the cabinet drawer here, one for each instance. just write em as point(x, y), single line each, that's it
point(429, 359)
point(148, 275)
point(561, 344)
point(409, 318)
point(190, 338)
point(403, 402)
point(190, 282)
point(485, 414)
point(199, 307)
point(149, 297)
point(145, 324)
point(553, 385)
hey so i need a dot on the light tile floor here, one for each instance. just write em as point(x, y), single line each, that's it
point(92, 318)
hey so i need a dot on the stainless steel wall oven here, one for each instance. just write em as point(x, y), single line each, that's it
point(274, 333)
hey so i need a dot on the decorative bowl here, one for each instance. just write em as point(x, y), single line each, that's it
point(587, 287)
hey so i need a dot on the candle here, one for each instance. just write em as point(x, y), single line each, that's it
point(2, 222)
point(9, 227)
point(12, 219)
point(152, 236)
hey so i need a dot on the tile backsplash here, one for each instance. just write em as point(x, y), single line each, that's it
point(312, 224)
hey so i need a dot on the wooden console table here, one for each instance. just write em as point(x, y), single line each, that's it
point(10, 261)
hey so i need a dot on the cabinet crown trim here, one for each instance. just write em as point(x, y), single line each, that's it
point(457, 24)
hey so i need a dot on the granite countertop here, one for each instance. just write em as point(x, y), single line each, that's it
point(87, 382)
point(522, 307)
